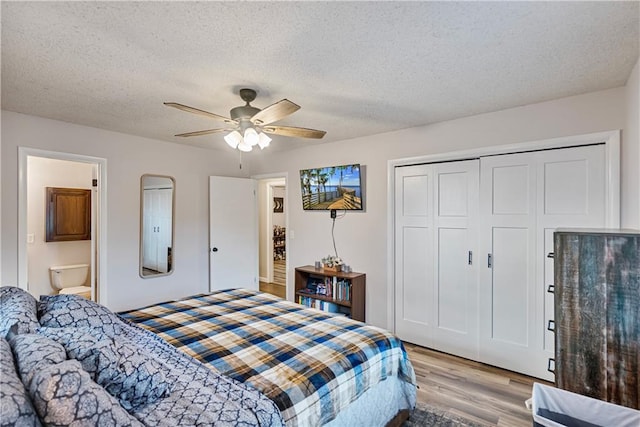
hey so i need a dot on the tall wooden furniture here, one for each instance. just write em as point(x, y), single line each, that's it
point(353, 307)
point(597, 314)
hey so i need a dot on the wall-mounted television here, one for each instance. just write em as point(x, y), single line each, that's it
point(332, 187)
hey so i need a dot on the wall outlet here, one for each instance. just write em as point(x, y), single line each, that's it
point(292, 234)
point(31, 238)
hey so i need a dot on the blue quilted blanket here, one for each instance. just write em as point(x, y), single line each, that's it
point(310, 363)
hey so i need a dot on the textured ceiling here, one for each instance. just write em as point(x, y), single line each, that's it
point(356, 68)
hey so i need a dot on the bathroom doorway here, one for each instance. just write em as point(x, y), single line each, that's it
point(40, 170)
point(272, 213)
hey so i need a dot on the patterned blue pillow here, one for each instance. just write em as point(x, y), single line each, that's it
point(59, 311)
point(33, 352)
point(65, 395)
point(17, 409)
point(17, 306)
point(125, 370)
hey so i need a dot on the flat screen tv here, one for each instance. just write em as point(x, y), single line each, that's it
point(332, 187)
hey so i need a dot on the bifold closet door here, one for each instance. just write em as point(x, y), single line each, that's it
point(523, 199)
point(435, 235)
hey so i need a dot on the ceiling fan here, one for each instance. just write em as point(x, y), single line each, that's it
point(248, 124)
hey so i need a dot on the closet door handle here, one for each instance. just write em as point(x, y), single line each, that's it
point(489, 261)
point(470, 258)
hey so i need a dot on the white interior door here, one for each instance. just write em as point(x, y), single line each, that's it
point(455, 272)
point(507, 276)
point(524, 198)
point(233, 233)
point(414, 254)
point(436, 281)
point(164, 212)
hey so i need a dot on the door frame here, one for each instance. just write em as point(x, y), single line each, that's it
point(98, 220)
point(611, 139)
point(285, 177)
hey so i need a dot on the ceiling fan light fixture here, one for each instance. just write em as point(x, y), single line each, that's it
point(243, 146)
point(233, 139)
point(263, 140)
point(251, 136)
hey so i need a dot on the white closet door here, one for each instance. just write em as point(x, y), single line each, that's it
point(572, 191)
point(164, 208)
point(436, 283)
point(414, 254)
point(507, 276)
point(524, 198)
point(149, 255)
point(456, 187)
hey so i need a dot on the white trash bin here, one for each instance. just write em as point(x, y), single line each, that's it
point(552, 407)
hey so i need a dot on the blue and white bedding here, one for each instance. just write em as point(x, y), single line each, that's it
point(312, 364)
point(239, 358)
point(81, 365)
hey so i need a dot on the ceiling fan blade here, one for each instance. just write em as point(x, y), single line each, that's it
point(203, 132)
point(197, 111)
point(275, 112)
point(294, 131)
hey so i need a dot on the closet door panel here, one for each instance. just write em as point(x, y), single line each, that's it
point(416, 294)
point(455, 240)
point(507, 280)
point(452, 280)
point(571, 186)
point(510, 187)
point(509, 288)
point(414, 304)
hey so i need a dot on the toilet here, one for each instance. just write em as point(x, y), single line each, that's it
point(71, 279)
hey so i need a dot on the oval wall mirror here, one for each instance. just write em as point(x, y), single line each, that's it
point(157, 204)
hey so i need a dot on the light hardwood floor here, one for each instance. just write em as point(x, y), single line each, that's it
point(477, 392)
point(273, 288)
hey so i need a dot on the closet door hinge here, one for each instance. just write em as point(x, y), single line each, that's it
point(489, 261)
point(470, 258)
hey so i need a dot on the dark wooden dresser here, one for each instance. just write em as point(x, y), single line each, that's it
point(597, 314)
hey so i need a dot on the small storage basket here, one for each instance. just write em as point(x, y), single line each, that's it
point(552, 407)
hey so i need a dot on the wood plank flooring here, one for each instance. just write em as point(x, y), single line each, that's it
point(273, 288)
point(280, 272)
point(471, 390)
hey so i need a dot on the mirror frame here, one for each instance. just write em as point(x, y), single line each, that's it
point(173, 227)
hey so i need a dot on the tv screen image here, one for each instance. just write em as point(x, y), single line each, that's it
point(333, 187)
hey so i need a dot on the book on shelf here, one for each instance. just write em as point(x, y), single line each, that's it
point(311, 302)
point(330, 287)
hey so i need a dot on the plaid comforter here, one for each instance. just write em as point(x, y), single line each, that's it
point(310, 363)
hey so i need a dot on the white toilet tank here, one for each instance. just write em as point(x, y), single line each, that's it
point(69, 276)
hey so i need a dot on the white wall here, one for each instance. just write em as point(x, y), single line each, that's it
point(631, 154)
point(41, 254)
point(361, 237)
point(128, 157)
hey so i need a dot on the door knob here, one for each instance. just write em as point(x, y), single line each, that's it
point(214, 250)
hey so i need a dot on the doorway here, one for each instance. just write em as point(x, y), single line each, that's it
point(39, 169)
point(272, 213)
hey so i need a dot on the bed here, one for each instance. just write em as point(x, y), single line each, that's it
point(318, 368)
point(236, 358)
